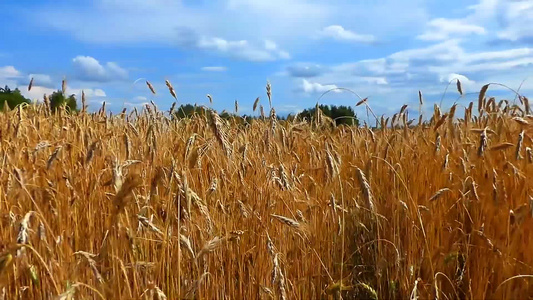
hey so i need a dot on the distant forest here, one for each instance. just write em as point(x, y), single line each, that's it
point(340, 114)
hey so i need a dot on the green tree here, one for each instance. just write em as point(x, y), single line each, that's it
point(57, 99)
point(341, 114)
point(11, 97)
point(188, 110)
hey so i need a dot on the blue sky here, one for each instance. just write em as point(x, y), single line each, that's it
point(386, 50)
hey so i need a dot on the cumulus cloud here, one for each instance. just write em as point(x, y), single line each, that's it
point(113, 69)
point(41, 80)
point(214, 69)
point(400, 74)
point(188, 24)
point(36, 92)
point(516, 18)
point(508, 21)
point(445, 51)
point(126, 21)
point(175, 24)
point(443, 29)
point(89, 69)
point(44, 84)
point(450, 57)
point(9, 72)
point(500, 55)
point(243, 49)
point(315, 87)
point(89, 93)
point(338, 32)
point(466, 83)
point(14, 78)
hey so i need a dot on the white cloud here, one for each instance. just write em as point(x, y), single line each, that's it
point(243, 49)
point(270, 45)
point(41, 80)
point(14, 78)
point(99, 93)
point(446, 51)
point(452, 76)
point(36, 92)
point(43, 84)
point(443, 29)
point(507, 20)
point(502, 54)
point(517, 20)
point(9, 72)
point(488, 66)
point(184, 23)
point(466, 83)
point(315, 87)
point(399, 75)
point(450, 57)
point(214, 69)
point(380, 66)
point(338, 32)
point(484, 9)
point(114, 69)
point(90, 93)
point(89, 69)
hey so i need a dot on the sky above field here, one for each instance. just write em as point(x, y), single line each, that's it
point(386, 50)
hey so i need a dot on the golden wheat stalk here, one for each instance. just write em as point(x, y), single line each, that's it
point(210, 246)
point(481, 96)
point(269, 93)
point(287, 221)
point(220, 132)
point(438, 194)
point(30, 85)
point(151, 87)
point(459, 87)
point(502, 146)
point(171, 89)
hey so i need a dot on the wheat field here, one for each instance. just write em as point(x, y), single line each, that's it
point(140, 206)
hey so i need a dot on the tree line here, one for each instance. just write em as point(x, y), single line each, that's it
point(340, 114)
point(13, 98)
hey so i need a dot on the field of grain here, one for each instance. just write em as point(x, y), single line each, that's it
point(139, 206)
